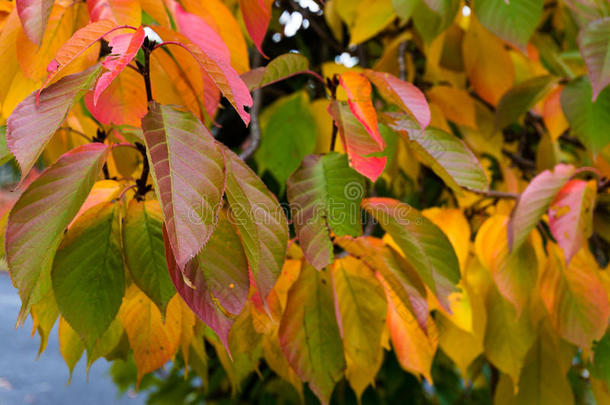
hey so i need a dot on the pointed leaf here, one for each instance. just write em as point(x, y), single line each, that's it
point(124, 49)
point(405, 95)
point(34, 15)
point(143, 248)
point(215, 283)
point(595, 50)
point(5, 154)
point(260, 221)
point(31, 125)
point(88, 275)
point(575, 297)
point(309, 335)
point(534, 201)
point(520, 98)
point(372, 16)
point(33, 232)
point(513, 21)
point(589, 121)
point(447, 155)
point(357, 142)
point(280, 68)
point(424, 245)
point(71, 346)
point(257, 14)
point(217, 70)
point(118, 11)
point(188, 172)
point(324, 195)
point(571, 216)
point(362, 308)
point(154, 339)
point(44, 314)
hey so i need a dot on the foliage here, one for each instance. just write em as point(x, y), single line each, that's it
point(432, 223)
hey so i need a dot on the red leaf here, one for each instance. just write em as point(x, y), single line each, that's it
point(37, 221)
point(189, 176)
point(118, 11)
point(76, 45)
point(34, 15)
point(357, 142)
point(30, 126)
point(124, 49)
point(257, 14)
point(571, 216)
point(405, 95)
point(221, 73)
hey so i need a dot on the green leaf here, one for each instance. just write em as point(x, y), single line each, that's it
point(432, 17)
point(514, 21)
point(447, 155)
point(107, 343)
point(188, 172)
point(362, 309)
point(589, 121)
point(5, 154)
point(144, 251)
point(595, 49)
point(521, 98)
point(534, 202)
point(325, 195)
point(601, 359)
point(280, 68)
point(281, 154)
point(40, 216)
point(309, 334)
point(71, 346)
point(404, 8)
point(88, 275)
point(424, 245)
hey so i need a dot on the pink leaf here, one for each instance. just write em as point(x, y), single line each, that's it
point(257, 14)
point(124, 49)
point(189, 176)
point(571, 216)
point(405, 95)
point(34, 15)
point(42, 213)
point(357, 142)
point(30, 126)
point(594, 45)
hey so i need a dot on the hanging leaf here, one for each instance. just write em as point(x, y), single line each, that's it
point(31, 125)
point(432, 17)
point(117, 11)
point(372, 16)
point(5, 154)
point(143, 249)
point(215, 283)
point(257, 14)
point(188, 172)
point(90, 257)
point(589, 121)
point(521, 98)
point(260, 221)
point(534, 202)
point(424, 245)
point(362, 308)
point(575, 297)
point(513, 21)
point(71, 346)
point(595, 50)
point(280, 68)
point(154, 339)
point(457, 105)
point(309, 334)
point(357, 142)
point(571, 216)
point(405, 95)
point(34, 15)
point(124, 49)
point(444, 153)
point(32, 234)
point(325, 195)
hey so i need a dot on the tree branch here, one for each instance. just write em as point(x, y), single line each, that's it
point(254, 139)
point(141, 187)
point(495, 194)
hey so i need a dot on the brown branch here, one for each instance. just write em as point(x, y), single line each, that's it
point(402, 64)
point(495, 194)
point(254, 139)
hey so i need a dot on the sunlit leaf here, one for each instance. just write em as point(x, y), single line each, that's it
point(44, 314)
point(457, 105)
point(309, 334)
point(33, 234)
point(595, 50)
point(324, 195)
point(371, 18)
point(118, 11)
point(71, 346)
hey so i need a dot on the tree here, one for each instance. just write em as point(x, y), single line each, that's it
point(208, 179)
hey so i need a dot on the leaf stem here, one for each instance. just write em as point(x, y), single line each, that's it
point(142, 187)
point(495, 194)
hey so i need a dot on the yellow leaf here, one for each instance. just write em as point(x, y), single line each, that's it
point(552, 114)
point(156, 9)
point(8, 52)
point(277, 361)
point(488, 65)
point(455, 225)
point(388, 62)
point(187, 334)
point(20, 87)
point(333, 20)
point(456, 104)
point(44, 314)
point(372, 17)
point(153, 341)
point(324, 127)
point(347, 10)
point(71, 346)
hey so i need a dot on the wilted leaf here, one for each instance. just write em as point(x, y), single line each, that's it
point(189, 176)
point(33, 234)
point(88, 274)
point(309, 334)
point(324, 195)
point(595, 49)
point(143, 249)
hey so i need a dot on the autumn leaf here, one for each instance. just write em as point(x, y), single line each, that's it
point(34, 15)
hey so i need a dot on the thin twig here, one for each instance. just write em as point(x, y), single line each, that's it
point(254, 139)
point(495, 194)
point(74, 131)
point(402, 65)
point(142, 187)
